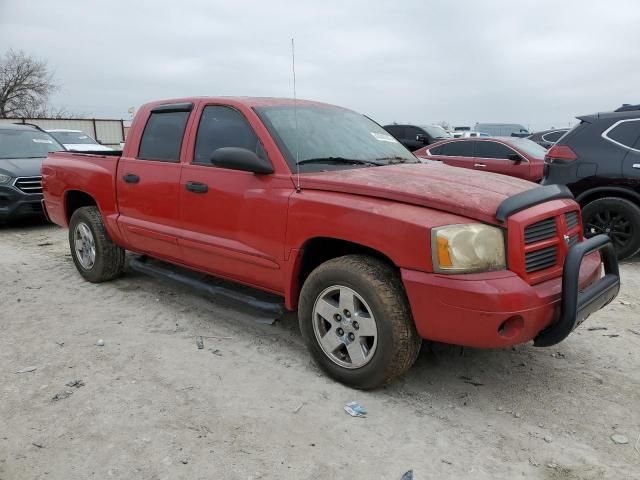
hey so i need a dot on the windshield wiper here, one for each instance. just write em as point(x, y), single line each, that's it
point(350, 161)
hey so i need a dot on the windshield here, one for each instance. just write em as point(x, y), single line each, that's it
point(27, 144)
point(327, 134)
point(529, 147)
point(436, 131)
point(73, 138)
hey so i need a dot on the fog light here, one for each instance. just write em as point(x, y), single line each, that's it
point(511, 327)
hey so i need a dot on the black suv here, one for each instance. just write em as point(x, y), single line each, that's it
point(414, 137)
point(22, 150)
point(599, 160)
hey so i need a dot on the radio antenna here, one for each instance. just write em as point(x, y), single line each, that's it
point(295, 113)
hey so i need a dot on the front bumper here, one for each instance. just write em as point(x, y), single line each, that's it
point(498, 309)
point(15, 203)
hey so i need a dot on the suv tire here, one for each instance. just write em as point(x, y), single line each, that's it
point(95, 255)
point(356, 321)
point(617, 217)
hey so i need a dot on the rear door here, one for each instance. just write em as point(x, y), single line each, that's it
point(234, 221)
point(147, 185)
point(456, 153)
point(494, 157)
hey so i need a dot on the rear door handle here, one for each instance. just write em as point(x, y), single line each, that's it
point(479, 165)
point(131, 178)
point(197, 187)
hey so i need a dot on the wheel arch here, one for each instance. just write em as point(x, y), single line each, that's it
point(75, 199)
point(600, 192)
point(317, 250)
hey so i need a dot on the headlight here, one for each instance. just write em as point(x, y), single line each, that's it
point(4, 178)
point(473, 247)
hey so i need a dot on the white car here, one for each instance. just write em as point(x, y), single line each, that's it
point(77, 140)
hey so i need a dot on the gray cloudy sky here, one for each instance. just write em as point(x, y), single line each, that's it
point(539, 63)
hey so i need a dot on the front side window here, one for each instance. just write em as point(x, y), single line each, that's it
point(493, 150)
point(624, 132)
point(457, 149)
point(162, 137)
point(411, 133)
point(26, 143)
point(324, 137)
point(223, 127)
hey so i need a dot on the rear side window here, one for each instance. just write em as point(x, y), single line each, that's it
point(457, 149)
point(162, 137)
point(624, 132)
point(492, 150)
point(224, 127)
point(553, 136)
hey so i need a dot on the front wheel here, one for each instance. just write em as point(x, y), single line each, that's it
point(355, 318)
point(616, 217)
point(95, 255)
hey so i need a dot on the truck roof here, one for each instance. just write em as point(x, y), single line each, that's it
point(15, 126)
point(247, 101)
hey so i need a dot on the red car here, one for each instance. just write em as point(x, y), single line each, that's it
point(516, 157)
point(321, 206)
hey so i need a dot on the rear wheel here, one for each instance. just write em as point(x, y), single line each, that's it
point(95, 255)
point(356, 321)
point(616, 217)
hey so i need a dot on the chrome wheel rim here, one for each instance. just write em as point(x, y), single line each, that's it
point(84, 245)
point(345, 327)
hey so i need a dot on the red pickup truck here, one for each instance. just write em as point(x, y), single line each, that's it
point(320, 205)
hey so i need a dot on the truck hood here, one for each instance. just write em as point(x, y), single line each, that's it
point(21, 167)
point(469, 193)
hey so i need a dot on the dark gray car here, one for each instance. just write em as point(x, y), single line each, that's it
point(22, 150)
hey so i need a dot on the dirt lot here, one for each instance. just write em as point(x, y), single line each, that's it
point(251, 404)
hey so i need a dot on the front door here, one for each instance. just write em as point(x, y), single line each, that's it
point(233, 221)
point(148, 185)
point(496, 157)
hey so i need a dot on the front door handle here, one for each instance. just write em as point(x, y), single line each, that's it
point(479, 165)
point(131, 178)
point(197, 187)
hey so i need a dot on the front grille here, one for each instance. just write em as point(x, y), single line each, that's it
point(571, 219)
point(541, 230)
point(572, 240)
point(29, 185)
point(541, 259)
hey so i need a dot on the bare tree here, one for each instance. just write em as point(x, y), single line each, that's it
point(25, 86)
point(444, 124)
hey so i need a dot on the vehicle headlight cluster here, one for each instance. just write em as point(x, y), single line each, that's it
point(4, 178)
point(467, 248)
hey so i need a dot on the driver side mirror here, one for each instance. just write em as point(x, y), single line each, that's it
point(514, 157)
point(422, 138)
point(235, 158)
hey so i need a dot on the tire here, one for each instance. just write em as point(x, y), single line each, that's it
point(108, 263)
point(617, 217)
point(377, 293)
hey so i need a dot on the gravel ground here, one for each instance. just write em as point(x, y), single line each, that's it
point(252, 405)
